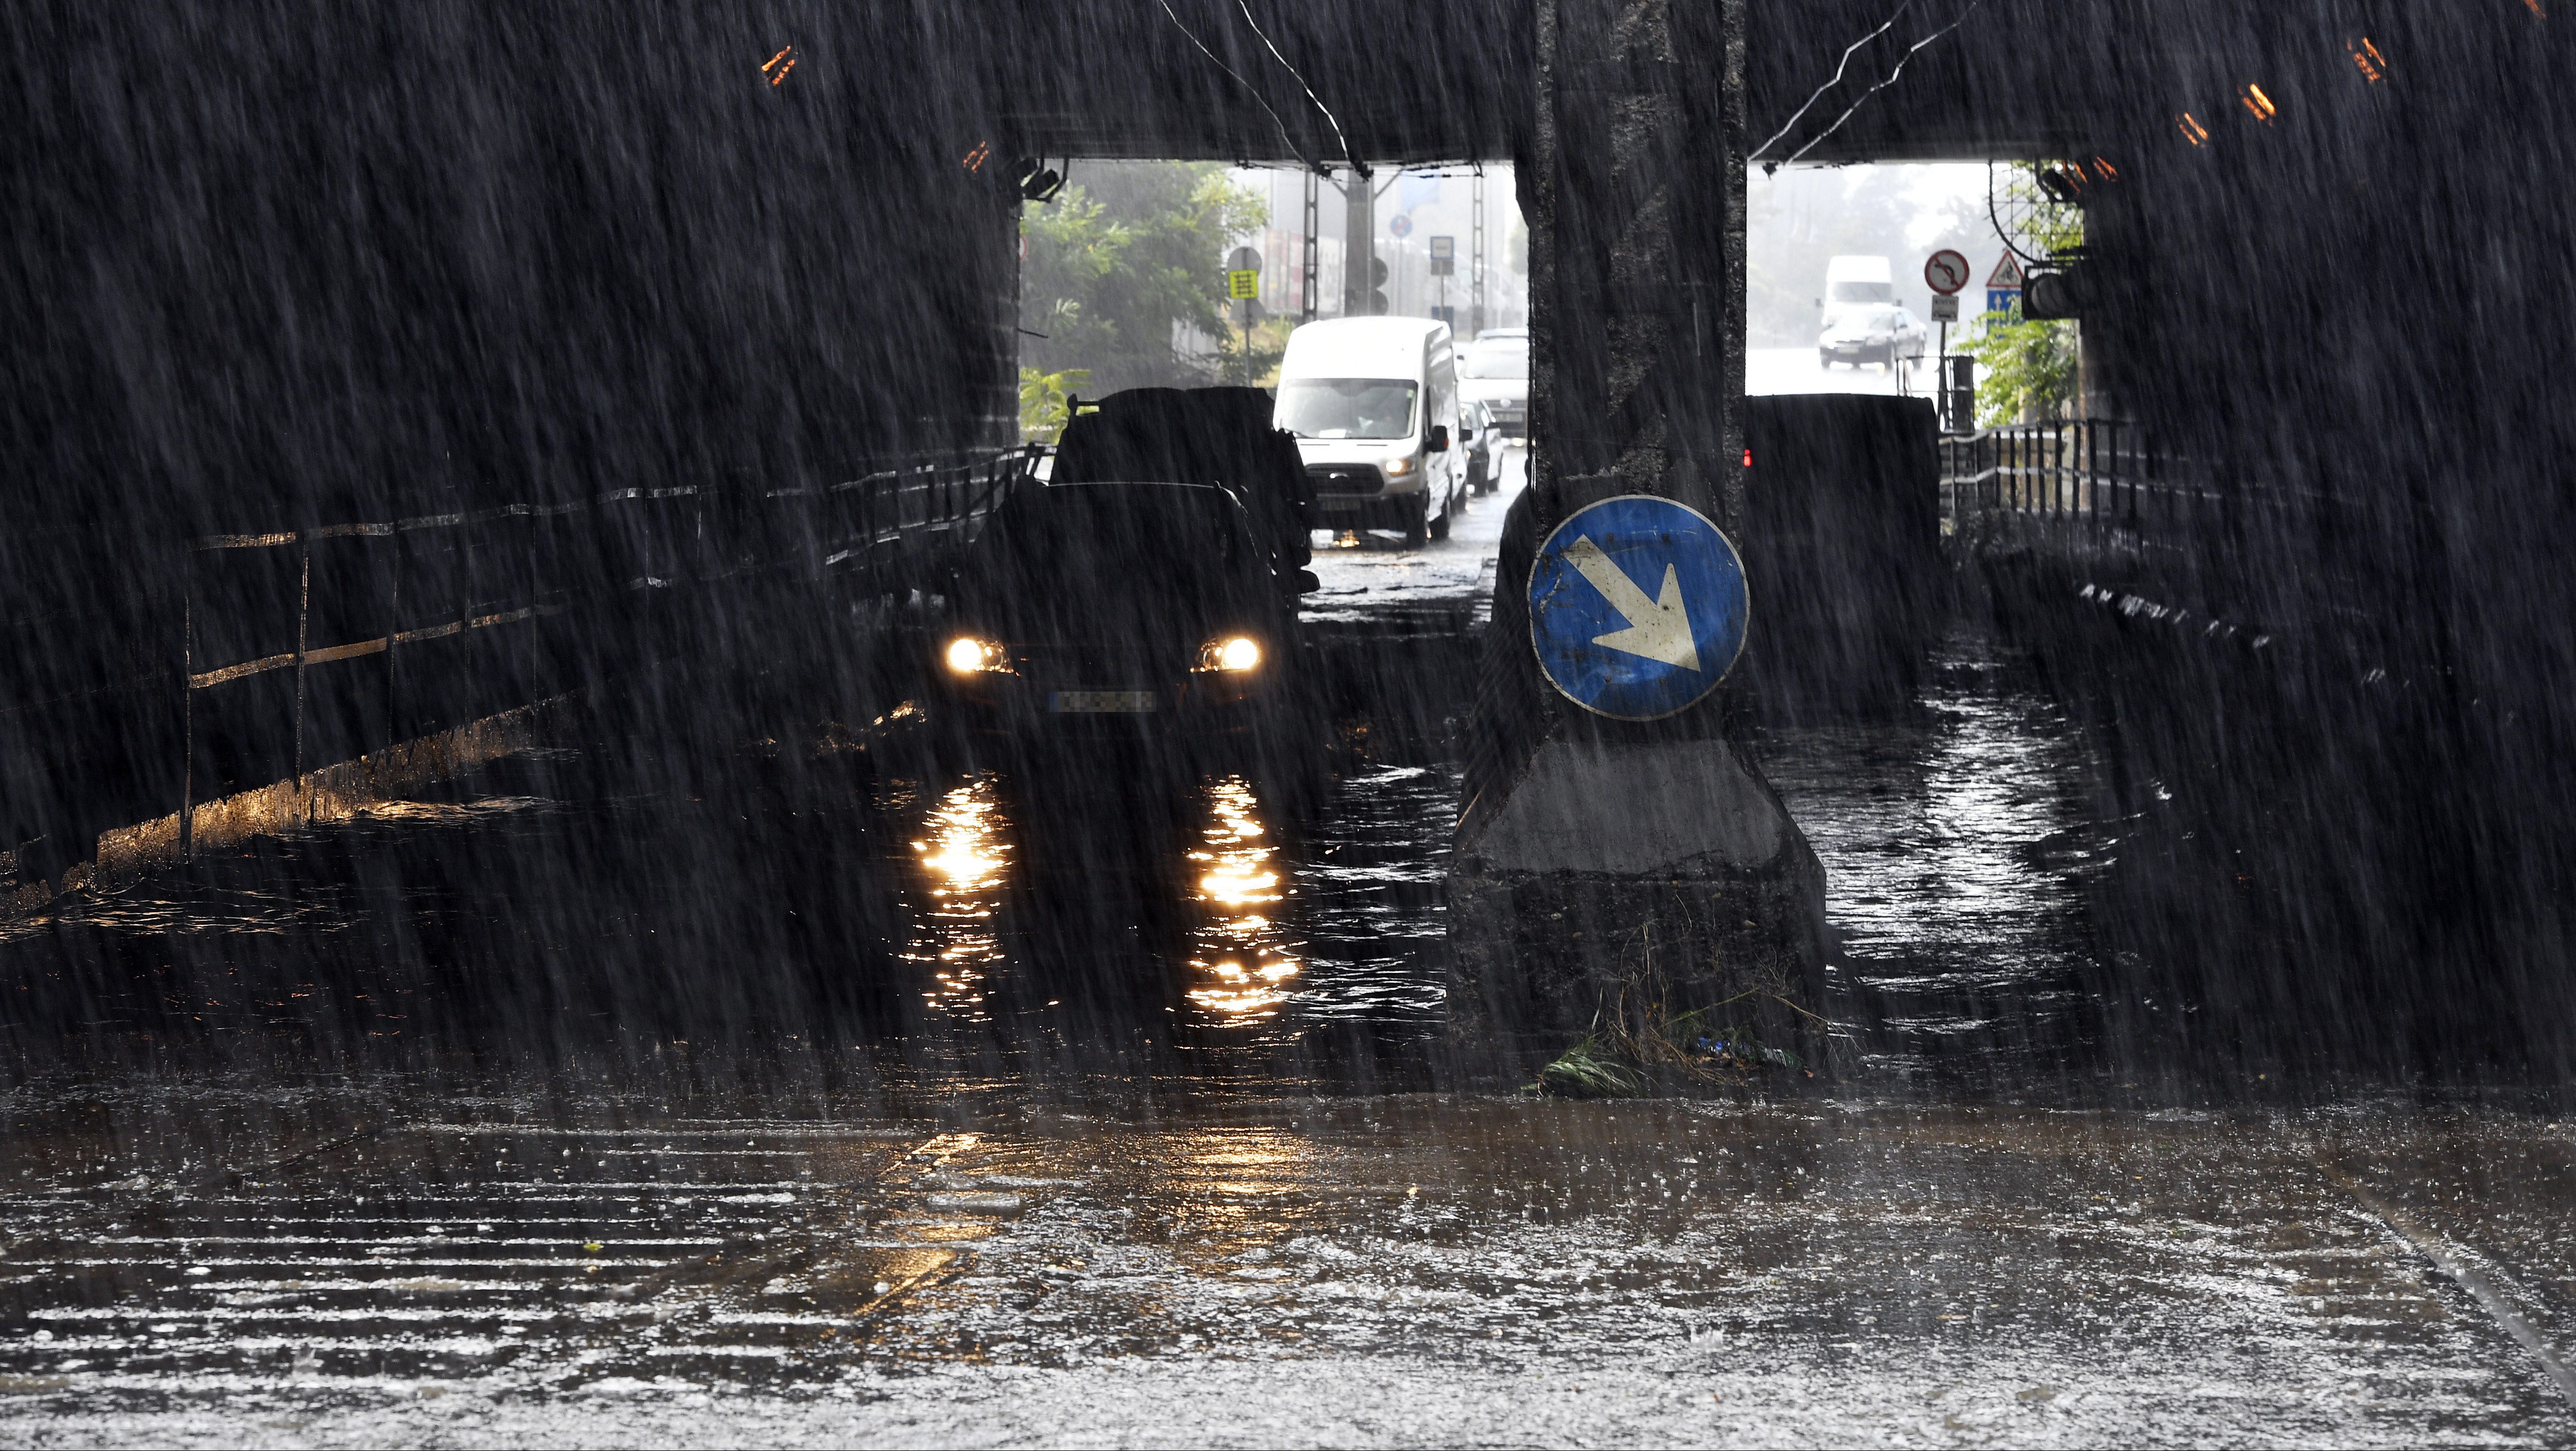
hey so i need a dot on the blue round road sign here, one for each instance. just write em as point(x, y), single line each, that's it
point(1637, 607)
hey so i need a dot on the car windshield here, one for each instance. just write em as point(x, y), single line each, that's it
point(1067, 534)
point(1496, 358)
point(1129, 563)
point(1347, 407)
point(1876, 319)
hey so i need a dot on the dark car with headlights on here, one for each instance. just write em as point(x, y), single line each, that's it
point(1106, 611)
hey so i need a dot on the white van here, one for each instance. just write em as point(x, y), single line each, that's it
point(1374, 404)
point(1859, 281)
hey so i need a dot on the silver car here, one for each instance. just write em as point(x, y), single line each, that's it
point(1482, 440)
point(1870, 333)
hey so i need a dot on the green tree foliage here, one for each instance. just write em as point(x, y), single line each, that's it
point(1117, 260)
point(1044, 399)
point(2026, 370)
point(1269, 344)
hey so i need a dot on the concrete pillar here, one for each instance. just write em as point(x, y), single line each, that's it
point(1601, 864)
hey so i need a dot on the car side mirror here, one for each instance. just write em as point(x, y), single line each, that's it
point(1438, 441)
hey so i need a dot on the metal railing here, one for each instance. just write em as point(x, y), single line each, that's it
point(2081, 470)
point(940, 504)
point(250, 607)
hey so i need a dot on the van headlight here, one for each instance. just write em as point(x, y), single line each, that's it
point(969, 655)
point(1234, 654)
point(1397, 468)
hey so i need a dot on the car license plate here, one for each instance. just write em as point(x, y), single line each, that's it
point(1102, 702)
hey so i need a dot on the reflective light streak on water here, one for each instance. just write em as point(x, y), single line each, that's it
point(1240, 960)
point(964, 865)
point(1956, 845)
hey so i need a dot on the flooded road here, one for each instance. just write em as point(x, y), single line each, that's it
point(827, 1089)
point(368, 1268)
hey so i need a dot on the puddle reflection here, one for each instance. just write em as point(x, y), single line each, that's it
point(1230, 1174)
point(964, 860)
point(1207, 909)
point(1240, 960)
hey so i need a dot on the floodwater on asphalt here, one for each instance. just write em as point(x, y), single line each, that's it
point(985, 929)
point(821, 1090)
point(368, 1267)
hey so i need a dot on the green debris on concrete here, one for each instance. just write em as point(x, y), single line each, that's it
point(1587, 1071)
point(1640, 1047)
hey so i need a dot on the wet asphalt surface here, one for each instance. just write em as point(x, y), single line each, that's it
point(840, 1096)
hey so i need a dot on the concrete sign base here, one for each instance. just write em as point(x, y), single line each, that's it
point(1666, 872)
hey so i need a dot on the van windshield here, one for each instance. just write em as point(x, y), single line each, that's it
point(1347, 407)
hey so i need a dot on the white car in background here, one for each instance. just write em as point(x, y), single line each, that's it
point(1495, 370)
point(1870, 333)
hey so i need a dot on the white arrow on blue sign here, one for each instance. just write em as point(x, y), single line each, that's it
point(1638, 607)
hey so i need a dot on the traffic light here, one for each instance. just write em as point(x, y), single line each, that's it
point(2055, 295)
point(1377, 274)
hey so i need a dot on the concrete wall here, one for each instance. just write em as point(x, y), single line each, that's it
point(295, 266)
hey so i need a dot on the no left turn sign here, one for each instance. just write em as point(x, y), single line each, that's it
point(1946, 272)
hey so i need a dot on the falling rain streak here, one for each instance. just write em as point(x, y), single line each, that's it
point(907, 761)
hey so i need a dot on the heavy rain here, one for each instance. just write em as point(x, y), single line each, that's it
point(1184, 722)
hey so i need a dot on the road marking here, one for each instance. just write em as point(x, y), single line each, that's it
point(2453, 1262)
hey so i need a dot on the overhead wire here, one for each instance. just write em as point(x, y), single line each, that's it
point(1883, 85)
point(1839, 67)
point(1347, 153)
point(1257, 98)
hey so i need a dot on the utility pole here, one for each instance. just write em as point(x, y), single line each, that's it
point(1359, 243)
point(1314, 217)
point(1476, 246)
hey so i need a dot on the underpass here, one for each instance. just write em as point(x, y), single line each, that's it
point(508, 940)
point(386, 1129)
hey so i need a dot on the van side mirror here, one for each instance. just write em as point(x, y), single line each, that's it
point(1303, 582)
point(1438, 439)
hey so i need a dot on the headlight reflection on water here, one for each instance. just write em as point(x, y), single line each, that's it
point(965, 859)
point(1240, 960)
point(1241, 963)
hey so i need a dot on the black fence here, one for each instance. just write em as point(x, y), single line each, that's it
point(2089, 469)
point(2180, 534)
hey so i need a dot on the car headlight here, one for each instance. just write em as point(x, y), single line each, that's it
point(1397, 467)
point(1234, 653)
point(968, 655)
